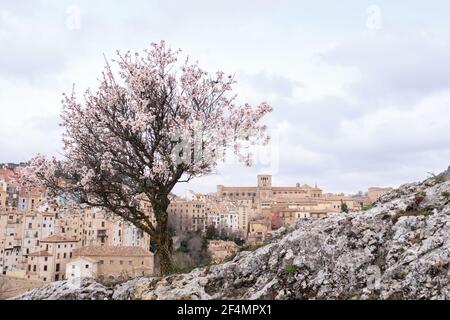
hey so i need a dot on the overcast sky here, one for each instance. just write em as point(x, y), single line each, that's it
point(360, 89)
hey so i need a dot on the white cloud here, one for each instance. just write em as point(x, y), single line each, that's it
point(352, 108)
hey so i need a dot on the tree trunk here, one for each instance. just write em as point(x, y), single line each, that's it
point(163, 239)
point(164, 253)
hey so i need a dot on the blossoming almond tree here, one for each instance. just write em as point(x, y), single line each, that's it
point(153, 122)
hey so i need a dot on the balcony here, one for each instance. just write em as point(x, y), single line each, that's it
point(102, 234)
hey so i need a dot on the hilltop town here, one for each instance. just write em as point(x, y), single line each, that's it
point(44, 241)
point(395, 250)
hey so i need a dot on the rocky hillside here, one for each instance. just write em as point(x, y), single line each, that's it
point(400, 249)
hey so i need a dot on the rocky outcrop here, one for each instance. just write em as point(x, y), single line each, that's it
point(80, 289)
point(400, 249)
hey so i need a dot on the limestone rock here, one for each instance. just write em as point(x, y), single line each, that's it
point(375, 254)
point(81, 289)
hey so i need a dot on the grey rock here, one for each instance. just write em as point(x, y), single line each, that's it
point(364, 255)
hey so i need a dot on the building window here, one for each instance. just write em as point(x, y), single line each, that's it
point(86, 266)
point(45, 268)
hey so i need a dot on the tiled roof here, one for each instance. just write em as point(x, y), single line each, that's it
point(6, 175)
point(86, 259)
point(48, 214)
point(59, 238)
point(112, 251)
point(40, 254)
point(337, 197)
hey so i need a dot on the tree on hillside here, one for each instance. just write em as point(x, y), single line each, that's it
point(153, 122)
point(211, 232)
point(192, 252)
point(344, 207)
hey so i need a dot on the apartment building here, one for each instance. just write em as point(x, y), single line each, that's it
point(20, 235)
point(245, 213)
point(94, 227)
point(49, 263)
point(9, 188)
point(3, 193)
point(224, 219)
point(29, 198)
point(187, 215)
point(11, 241)
point(23, 234)
point(36, 226)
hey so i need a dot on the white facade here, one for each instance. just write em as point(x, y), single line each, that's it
point(81, 267)
point(126, 234)
point(35, 227)
point(229, 220)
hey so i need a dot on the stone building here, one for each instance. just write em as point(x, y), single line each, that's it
point(258, 231)
point(291, 203)
point(9, 188)
point(261, 196)
point(29, 198)
point(110, 262)
point(187, 215)
point(221, 250)
point(49, 263)
point(94, 227)
point(20, 235)
point(3, 194)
